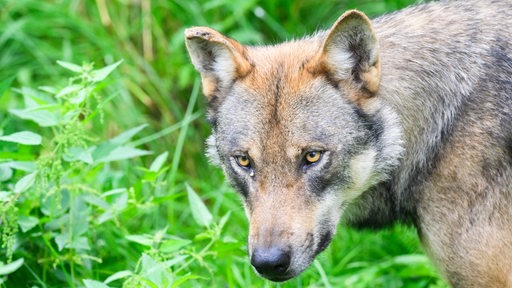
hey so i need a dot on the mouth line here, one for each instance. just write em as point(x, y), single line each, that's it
point(280, 278)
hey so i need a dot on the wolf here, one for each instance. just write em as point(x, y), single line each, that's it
point(404, 118)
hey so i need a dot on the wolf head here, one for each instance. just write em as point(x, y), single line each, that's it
point(300, 131)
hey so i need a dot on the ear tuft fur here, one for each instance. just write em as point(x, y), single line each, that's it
point(219, 59)
point(350, 53)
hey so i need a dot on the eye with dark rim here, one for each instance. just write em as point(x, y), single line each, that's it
point(243, 161)
point(312, 157)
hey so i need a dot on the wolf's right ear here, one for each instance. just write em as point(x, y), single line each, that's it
point(219, 59)
point(350, 54)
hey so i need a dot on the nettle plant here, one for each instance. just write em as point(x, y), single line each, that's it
point(55, 203)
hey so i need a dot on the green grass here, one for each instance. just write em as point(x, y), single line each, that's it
point(102, 188)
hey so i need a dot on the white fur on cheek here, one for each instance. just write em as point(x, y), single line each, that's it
point(361, 167)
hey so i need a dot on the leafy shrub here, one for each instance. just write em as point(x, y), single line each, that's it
point(63, 203)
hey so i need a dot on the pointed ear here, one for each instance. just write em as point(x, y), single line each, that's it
point(219, 59)
point(350, 52)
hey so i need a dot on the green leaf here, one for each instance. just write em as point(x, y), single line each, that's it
point(175, 260)
point(185, 278)
point(89, 283)
point(100, 74)
point(62, 240)
point(118, 275)
point(5, 196)
point(23, 137)
point(27, 222)
point(144, 239)
point(158, 162)
point(154, 271)
point(80, 243)
point(121, 153)
point(4, 85)
point(43, 118)
point(173, 245)
point(11, 267)
point(80, 96)
point(68, 89)
point(25, 183)
point(127, 135)
point(5, 173)
point(97, 201)
point(79, 154)
point(33, 98)
point(70, 66)
point(200, 213)
point(79, 217)
point(411, 259)
point(27, 166)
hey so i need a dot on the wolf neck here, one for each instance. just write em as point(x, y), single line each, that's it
point(426, 80)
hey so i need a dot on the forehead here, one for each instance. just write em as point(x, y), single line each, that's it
point(280, 114)
point(281, 102)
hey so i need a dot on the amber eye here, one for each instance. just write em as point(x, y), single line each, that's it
point(313, 157)
point(243, 161)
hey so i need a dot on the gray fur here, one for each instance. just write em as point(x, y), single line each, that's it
point(418, 131)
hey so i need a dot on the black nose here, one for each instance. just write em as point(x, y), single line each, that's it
point(270, 262)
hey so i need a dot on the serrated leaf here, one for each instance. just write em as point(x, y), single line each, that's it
point(79, 217)
point(27, 222)
point(175, 260)
point(43, 118)
point(200, 213)
point(5, 173)
point(23, 137)
point(154, 271)
point(27, 166)
point(100, 74)
point(68, 89)
point(145, 239)
point(25, 183)
point(89, 283)
point(97, 201)
point(121, 153)
point(118, 275)
point(62, 240)
point(158, 162)
point(70, 66)
point(127, 135)
point(34, 98)
point(79, 154)
point(11, 267)
point(79, 97)
point(80, 243)
point(173, 245)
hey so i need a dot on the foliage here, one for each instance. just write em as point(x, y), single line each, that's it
point(102, 178)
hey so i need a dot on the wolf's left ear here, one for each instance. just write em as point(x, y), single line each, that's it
point(219, 59)
point(350, 52)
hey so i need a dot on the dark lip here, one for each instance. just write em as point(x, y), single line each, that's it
point(324, 242)
point(280, 278)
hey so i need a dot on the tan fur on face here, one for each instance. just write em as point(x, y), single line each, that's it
point(414, 113)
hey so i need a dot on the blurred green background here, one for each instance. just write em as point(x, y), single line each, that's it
point(136, 212)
